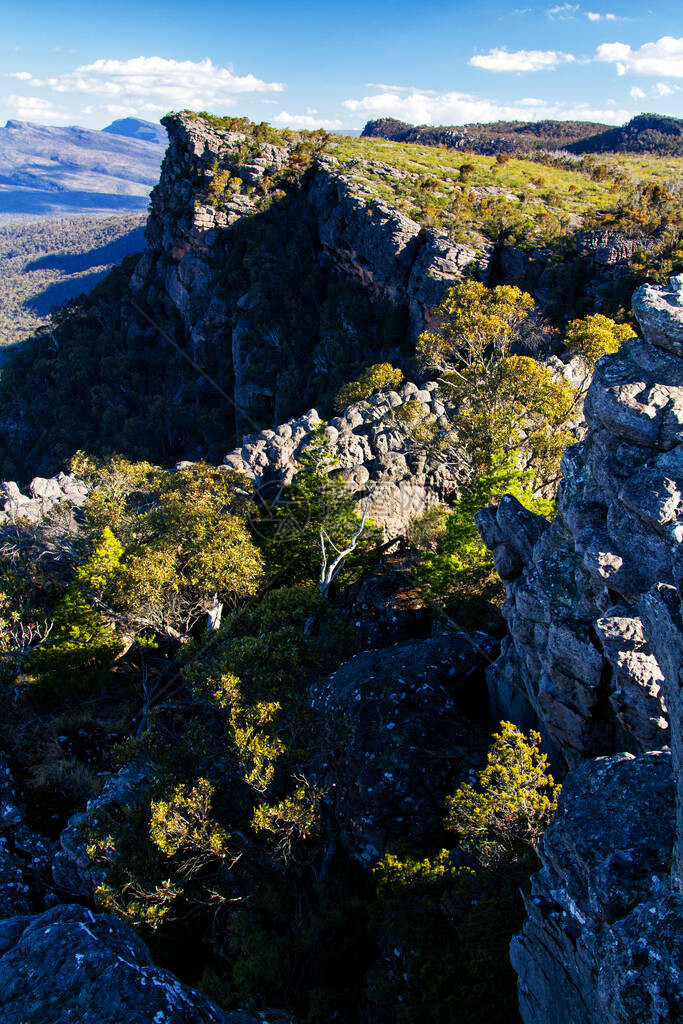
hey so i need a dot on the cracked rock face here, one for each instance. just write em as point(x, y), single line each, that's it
point(578, 661)
point(354, 236)
point(71, 964)
point(596, 650)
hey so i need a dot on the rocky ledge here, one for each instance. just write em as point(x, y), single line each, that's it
point(603, 939)
point(367, 443)
point(370, 446)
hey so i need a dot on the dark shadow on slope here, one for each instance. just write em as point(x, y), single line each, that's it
point(132, 381)
point(76, 263)
point(61, 291)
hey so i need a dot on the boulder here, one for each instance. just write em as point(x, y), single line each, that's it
point(660, 314)
point(400, 740)
point(69, 964)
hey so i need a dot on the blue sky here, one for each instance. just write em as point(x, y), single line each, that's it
point(305, 64)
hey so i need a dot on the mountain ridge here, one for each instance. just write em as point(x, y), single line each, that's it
point(644, 133)
point(48, 171)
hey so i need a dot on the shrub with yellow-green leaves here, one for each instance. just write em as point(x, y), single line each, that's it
point(596, 336)
point(460, 567)
point(182, 828)
point(234, 839)
point(184, 539)
point(447, 918)
point(501, 819)
point(499, 402)
point(379, 377)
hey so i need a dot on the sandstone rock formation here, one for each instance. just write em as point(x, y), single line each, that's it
point(578, 660)
point(69, 964)
point(44, 495)
point(603, 939)
point(595, 656)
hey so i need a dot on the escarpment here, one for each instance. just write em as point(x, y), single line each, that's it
point(603, 937)
point(271, 277)
point(323, 734)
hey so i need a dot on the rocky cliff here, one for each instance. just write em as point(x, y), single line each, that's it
point(368, 443)
point(594, 657)
point(578, 659)
point(198, 225)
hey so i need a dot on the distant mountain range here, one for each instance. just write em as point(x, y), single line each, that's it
point(647, 133)
point(64, 172)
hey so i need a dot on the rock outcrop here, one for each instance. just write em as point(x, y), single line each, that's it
point(603, 939)
point(44, 494)
point(595, 657)
point(399, 738)
point(578, 661)
point(369, 445)
point(69, 964)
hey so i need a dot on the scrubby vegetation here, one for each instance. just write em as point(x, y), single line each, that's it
point(519, 201)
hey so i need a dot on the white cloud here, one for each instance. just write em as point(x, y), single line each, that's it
point(34, 108)
point(462, 108)
point(563, 12)
point(659, 91)
point(397, 88)
point(662, 89)
point(662, 58)
point(594, 16)
point(154, 85)
point(288, 120)
point(22, 76)
point(500, 59)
